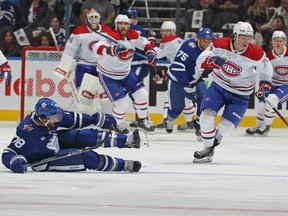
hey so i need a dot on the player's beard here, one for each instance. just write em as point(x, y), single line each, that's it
point(123, 32)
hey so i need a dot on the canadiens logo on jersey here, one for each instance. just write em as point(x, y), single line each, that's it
point(28, 127)
point(91, 44)
point(126, 55)
point(231, 70)
point(281, 70)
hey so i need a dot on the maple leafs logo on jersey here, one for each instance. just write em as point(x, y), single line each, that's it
point(192, 44)
point(53, 144)
point(230, 69)
point(28, 127)
point(281, 70)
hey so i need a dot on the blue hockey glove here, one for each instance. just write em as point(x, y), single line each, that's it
point(151, 56)
point(104, 121)
point(5, 73)
point(190, 88)
point(16, 164)
point(213, 62)
point(264, 89)
point(115, 50)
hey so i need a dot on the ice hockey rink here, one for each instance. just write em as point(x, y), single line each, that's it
point(248, 176)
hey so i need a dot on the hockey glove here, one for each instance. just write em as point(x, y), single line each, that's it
point(151, 56)
point(264, 90)
point(16, 164)
point(104, 121)
point(115, 50)
point(213, 62)
point(5, 73)
point(190, 88)
point(151, 37)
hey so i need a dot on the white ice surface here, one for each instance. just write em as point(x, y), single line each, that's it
point(248, 176)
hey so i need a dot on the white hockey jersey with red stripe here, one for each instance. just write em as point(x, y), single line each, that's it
point(169, 47)
point(118, 67)
point(239, 73)
point(280, 67)
point(81, 41)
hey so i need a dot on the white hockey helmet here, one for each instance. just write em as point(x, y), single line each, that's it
point(278, 34)
point(92, 18)
point(243, 28)
point(122, 18)
point(169, 25)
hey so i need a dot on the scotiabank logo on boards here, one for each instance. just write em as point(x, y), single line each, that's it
point(40, 86)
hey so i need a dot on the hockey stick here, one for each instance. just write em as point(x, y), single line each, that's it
point(69, 154)
point(148, 15)
point(67, 76)
point(121, 44)
point(132, 4)
point(276, 111)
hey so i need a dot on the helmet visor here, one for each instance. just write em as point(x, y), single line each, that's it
point(55, 118)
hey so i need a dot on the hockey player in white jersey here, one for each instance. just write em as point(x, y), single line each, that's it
point(114, 64)
point(50, 131)
point(183, 81)
point(5, 70)
point(79, 46)
point(235, 62)
point(278, 57)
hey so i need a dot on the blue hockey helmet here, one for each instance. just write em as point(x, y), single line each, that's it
point(132, 13)
point(205, 33)
point(49, 109)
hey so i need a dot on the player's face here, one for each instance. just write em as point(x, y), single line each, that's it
point(166, 33)
point(279, 43)
point(243, 41)
point(204, 43)
point(123, 28)
point(133, 21)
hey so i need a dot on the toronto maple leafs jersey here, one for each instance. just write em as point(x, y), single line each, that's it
point(182, 69)
point(280, 67)
point(36, 142)
point(168, 47)
point(81, 41)
point(239, 73)
point(118, 67)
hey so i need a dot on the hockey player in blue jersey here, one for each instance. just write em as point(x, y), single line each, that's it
point(183, 81)
point(50, 131)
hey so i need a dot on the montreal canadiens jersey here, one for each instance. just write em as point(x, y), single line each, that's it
point(81, 41)
point(2, 58)
point(239, 73)
point(182, 69)
point(118, 67)
point(280, 67)
point(168, 47)
point(35, 142)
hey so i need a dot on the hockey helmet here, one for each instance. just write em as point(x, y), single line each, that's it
point(169, 25)
point(92, 18)
point(242, 28)
point(49, 109)
point(278, 34)
point(205, 33)
point(132, 13)
point(122, 18)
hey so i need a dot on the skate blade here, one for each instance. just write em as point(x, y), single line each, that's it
point(203, 160)
point(144, 139)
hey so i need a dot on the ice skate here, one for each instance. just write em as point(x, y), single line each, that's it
point(137, 139)
point(120, 129)
point(186, 127)
point(169, 125)
point(132, 166)
point(252, 131)
point(263, 131)
point(206, 155)
point(160, 125)
point(146, 125)
point(134, 124)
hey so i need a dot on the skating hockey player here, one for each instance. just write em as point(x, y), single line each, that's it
point(5, 70)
